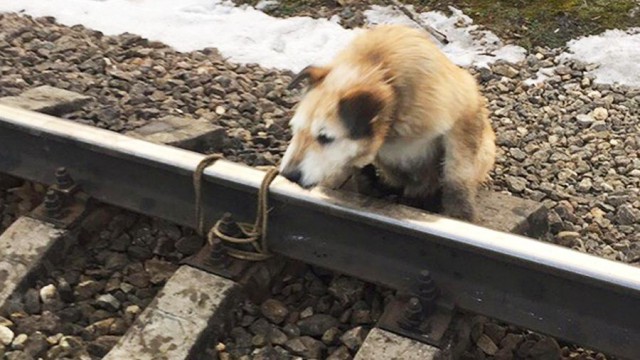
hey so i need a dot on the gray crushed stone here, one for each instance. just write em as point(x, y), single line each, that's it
point(569, 142)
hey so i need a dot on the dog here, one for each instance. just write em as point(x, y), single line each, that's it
point(392, 99)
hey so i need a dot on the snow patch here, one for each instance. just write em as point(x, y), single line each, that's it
point(617, 53)
point(468, 45)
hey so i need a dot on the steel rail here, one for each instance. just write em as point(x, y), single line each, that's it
point(547, 288)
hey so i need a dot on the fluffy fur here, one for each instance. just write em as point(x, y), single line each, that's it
point(393, 99)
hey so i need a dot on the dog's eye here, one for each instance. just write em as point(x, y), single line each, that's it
point(324, 139)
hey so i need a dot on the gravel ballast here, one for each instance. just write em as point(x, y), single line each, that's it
point(85, 300)
point(311, 314)
point(568, 142)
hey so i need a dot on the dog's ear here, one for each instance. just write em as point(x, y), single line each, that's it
point(358, 109)
point(315, 74)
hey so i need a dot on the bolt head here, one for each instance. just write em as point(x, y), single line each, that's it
point(63, 179)
point(412, 315)
point(413, 308)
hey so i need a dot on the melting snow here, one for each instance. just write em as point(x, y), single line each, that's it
point(616, 52)
point(468, 45)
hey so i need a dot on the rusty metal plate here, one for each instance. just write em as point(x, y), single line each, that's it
point(430, 331)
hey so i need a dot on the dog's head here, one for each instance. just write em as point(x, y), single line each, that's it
point(339, 124)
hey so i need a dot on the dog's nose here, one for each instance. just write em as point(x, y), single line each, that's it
point(293, 176)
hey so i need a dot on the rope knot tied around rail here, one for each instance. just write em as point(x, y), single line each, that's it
point(253, 234)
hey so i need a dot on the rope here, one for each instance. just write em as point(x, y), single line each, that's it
point(197, 181)
point(253, 234)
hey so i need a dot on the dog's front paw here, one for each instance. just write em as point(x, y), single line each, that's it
point(458, 202)
point(366, 180)
point(464, 210)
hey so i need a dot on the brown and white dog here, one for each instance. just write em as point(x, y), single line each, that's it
point(393, 99)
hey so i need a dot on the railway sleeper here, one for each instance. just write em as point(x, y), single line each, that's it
point(24, 246)
point(383, 345)
point(192, 308)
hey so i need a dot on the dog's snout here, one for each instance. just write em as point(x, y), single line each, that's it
point(293, 176)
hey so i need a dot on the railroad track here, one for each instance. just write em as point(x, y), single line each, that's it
point(439, 268)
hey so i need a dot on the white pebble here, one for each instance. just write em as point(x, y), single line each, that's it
point(585, 185)
point(584, 119)
point(600, 113)
point(126, 287)
point(607, 187)
point(595, 94)
point(69, 342)
point(19, 342)
point(133, 310)
point(54, 339)
point(307, 312)
point(6, 335)
point(48, 294)
point(522, 131)
point(5, 322)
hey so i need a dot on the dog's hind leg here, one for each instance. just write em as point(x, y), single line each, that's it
point(463, 165)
